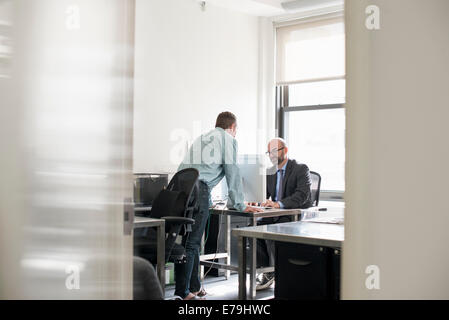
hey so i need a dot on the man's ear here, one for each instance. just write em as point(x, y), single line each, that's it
point(231, 130)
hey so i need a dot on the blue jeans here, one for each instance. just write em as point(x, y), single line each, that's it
point(187, 275)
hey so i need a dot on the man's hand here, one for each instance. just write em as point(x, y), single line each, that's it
point(252, 209)
point(271, 204)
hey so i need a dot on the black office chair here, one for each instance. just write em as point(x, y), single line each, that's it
point(175, 205)
point(315, 187)
point(146, 285)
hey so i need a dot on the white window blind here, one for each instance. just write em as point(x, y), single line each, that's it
point(310, 51)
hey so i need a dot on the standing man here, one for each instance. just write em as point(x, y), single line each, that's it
point(288, 186)
point(214, 155)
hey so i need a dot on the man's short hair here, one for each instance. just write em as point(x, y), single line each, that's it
point(225, 120)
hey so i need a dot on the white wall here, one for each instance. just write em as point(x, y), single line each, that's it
point(191, 65)
point(397, 173)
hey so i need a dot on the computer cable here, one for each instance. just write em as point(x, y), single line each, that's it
point(216, 246)
point(218, 236)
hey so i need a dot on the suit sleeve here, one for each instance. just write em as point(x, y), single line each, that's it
point(302, 196)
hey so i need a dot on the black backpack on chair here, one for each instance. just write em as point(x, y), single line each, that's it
point(169, 204)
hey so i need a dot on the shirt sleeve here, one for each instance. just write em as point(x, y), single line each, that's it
point(281, 205)
point(233, 177)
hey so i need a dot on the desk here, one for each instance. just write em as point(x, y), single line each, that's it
point(142, 222)
point(252, 216)
point(302, 232)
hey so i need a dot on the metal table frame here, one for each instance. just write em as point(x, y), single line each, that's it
point(253, 216)
point(143, 222)
point(251, 234)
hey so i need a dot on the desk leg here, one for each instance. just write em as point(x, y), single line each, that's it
point(241, 243)
point(228, 244)
point(161, 255)
point(252, 266)
point(252, 263)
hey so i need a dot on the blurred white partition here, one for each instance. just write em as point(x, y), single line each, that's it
point(66, 145)
point(396, 215)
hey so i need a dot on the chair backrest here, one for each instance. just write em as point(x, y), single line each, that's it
point(184, 180)
point(179, 199)
point(315, 187)
point(175, 200)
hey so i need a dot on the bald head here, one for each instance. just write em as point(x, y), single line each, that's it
point(277, 151)
point(276, 143)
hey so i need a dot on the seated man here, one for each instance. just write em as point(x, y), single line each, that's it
point(288, 186)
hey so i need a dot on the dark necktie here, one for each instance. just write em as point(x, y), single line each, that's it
point(281, 179)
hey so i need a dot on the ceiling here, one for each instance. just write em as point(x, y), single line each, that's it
point(270, 8)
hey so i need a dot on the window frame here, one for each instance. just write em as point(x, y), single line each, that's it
point(282, 114)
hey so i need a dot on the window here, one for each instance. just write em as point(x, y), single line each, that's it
point(310, 78)
point(317, 138)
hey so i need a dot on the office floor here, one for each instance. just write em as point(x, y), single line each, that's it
point(218, 288)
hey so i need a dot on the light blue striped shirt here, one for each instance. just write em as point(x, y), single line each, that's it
point(214, 155)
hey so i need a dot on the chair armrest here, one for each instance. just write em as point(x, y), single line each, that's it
point(178, 220)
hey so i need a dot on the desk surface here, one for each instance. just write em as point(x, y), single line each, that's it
point(311, 233)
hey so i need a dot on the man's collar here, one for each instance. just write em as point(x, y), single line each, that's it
point(223, 130)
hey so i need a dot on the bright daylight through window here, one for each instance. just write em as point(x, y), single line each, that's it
point(310, 77)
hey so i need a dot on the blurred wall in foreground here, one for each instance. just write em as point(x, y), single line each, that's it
point(397, 213)
point(12, 204)
point(66, 146)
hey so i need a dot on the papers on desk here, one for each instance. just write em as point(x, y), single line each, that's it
point(326, 220)
point(331, 215)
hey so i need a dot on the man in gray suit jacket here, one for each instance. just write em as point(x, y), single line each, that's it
point(288, 186)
